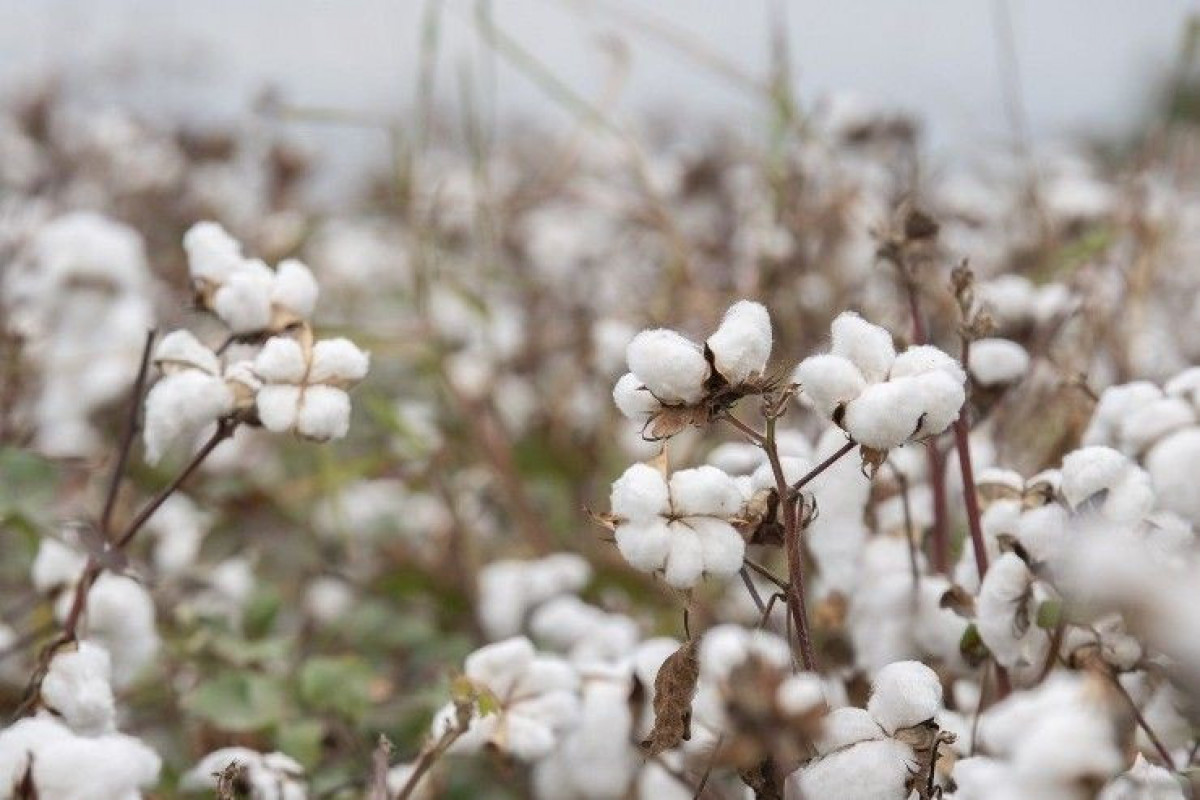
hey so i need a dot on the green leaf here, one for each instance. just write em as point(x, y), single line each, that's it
point(301, 739)
point(338, 684)
point(238, 701)
point(973, 650)
point(1049, 613)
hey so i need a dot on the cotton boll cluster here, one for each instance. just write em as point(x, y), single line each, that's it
point(510, 590)
point(79, 294)
point(586, 634)
point(265, 776)
point(304, 386)
point(681, 526)
point(881, 399)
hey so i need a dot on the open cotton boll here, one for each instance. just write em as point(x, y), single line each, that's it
point(995, 362)
point(1185, 385)
point(725, 647)
point(178, 527)
point(509, 589)
point(294, 288)
point(1116, 403)
point(904, 694)
point(1173, 465)
point(874, 770)
point(56, 564)
point(1003, 610)
point(76, 687)
point(323, 413)
point(211, 252)
point(736, 458)
point(281, 360)
point(704, 491)
point(828, 381)
point(644, 544)
point(1067, 749)
point(741, 344)
point(868, 347)
point(640, 493)
point(271, 776)
point(1143, 781)
point(1090, 471)
point(121, 619)
point(669, 365)
point(179, 406)
point(800, 694)
point(109, 767)
point(1146, 424)
point(886, 415)
point(634, 400)
point(942, 397)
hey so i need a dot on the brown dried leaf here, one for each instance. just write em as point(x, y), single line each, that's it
point(960, 601)
point(674, 687)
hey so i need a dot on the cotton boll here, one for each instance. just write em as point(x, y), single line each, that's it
point(1116, 402)
point(1173, 464)
point(942, 396)
point(875, 770)
point(271, 776)
point(281, 360)
point(1147, 424)
point(294, 288)
point(76, 686)
point(725, 647)
point(634, 400)
point(800, 694)
point(179, 406)
point(904, 694)
point(327, 599)
point(509, 589)
point(736, 458)
point(828, 381)
point(722, 546)
point(121, 619)
point(338, 361)
point(1185, 385)
point(685, 558)
point(181, 350)
point(324, 413)
point(845, 726)
point(742, 343)
point(645, 545)
point(57, 564)
point(1143, 781)
point(94, 768)
point(669, 365)
point(995, 362)
point(640, 493)
point(922, 359)
point(868, 347)
point(704, 490)
point(1005, 596)
point(1065, 749)
point(179, 527)
point(212, 253)
point(886, 415)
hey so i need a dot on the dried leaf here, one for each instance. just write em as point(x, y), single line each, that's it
point(674, 687)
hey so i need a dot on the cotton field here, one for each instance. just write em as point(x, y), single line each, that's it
point(786, 461)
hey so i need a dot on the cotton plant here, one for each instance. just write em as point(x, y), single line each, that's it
point(881, 399)
point(262, 776)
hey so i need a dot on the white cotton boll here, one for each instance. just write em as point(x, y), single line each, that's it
point(179, 527)
point(1186, 385)
point(501, 665)
point(212, 253)
point(328, 599)
point(324, 413)
point(509, 589)
point(668, 364)
point(885, 415)
point(904, 694)
point(1147, 424)
point(640, 493)
point(634, 400)
point(996, 362)
point(979, 777)
point(121, 619)
point(56, 564)
point(875, 770)
point(736, 458)
point(1131, 498)
point(741, 345)
point(1173, 465)
point(685, 557)
point(338, 361)
point(180, 349)
point(924, 358)
point(725, 647)
point(644, 544)
point(1090, 470)
point(706, 491)
point(278, 407)
point(1116, 402)
point(1044, 532)
point(828, 381)
point(21, 742)
point(609, 339)
point(845, 726)
point(295, 288)
point(271, 776)
point(76, 686)
point(1067, 748)
point(243, 302)
point(179, 406)
point(281, 360)
point(868, 347)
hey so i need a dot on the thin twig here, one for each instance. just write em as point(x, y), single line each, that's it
point(132, 426)
point(824, 465)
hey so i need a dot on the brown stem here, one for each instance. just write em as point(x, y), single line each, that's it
point(750, 433)
point(132, 425)
point(824, 465)
point(939, 534)
point(970, 497)
point(1163, 753)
